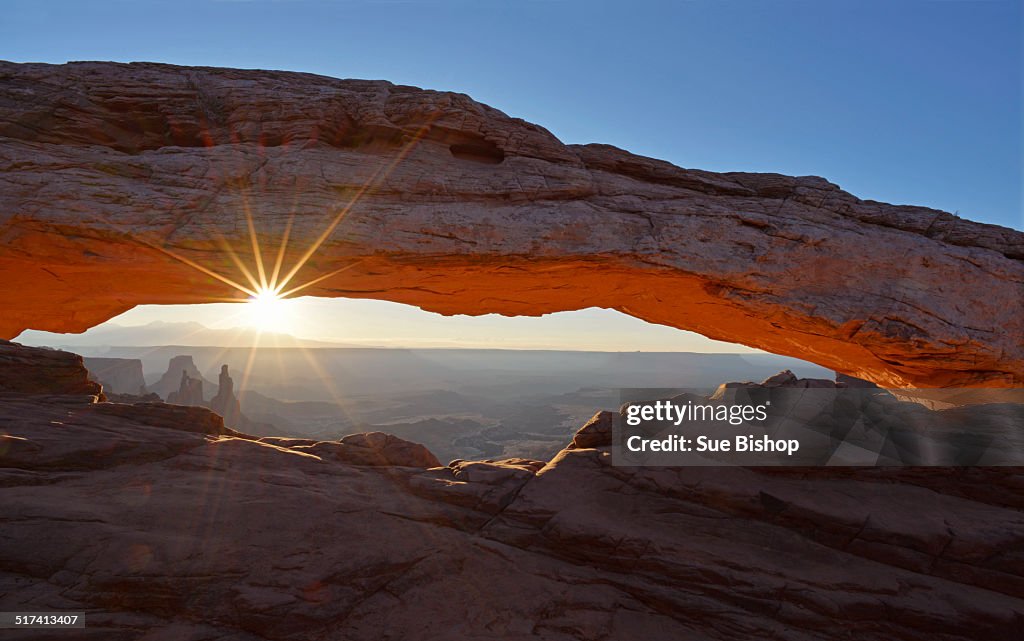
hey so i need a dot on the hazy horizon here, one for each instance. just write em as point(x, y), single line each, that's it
point(383, 324)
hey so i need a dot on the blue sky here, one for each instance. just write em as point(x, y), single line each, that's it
point(905, 101)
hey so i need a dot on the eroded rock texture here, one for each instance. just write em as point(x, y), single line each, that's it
point(41, 372)
point(106, 170)
point(160, 523)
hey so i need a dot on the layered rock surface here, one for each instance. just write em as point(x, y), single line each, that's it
point(41, 372)
point(159, 523)
point(117, 180)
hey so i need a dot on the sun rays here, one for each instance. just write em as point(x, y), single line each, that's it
point(266, 284)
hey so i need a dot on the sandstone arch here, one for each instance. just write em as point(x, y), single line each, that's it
point(114, 177)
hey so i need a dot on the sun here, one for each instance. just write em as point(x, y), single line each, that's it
point(268, 311)
point(270, 286)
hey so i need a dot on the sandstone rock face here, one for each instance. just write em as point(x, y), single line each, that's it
point(117, 180)
point(161, 524)
point(375, 449)
point(117, 375)
point(33, 371)
point(185, 418)
point(850, 381)
point(597, 432)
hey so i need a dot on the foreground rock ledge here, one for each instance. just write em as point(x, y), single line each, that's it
point(108, 169)
point(159, 523)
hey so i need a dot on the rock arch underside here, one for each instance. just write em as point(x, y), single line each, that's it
point(127, 184)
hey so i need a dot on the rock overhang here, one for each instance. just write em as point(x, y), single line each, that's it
point(118, 180)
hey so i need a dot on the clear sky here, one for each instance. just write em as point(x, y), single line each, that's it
point(905, 101)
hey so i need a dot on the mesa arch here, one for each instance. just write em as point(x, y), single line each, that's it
point(114, 178)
